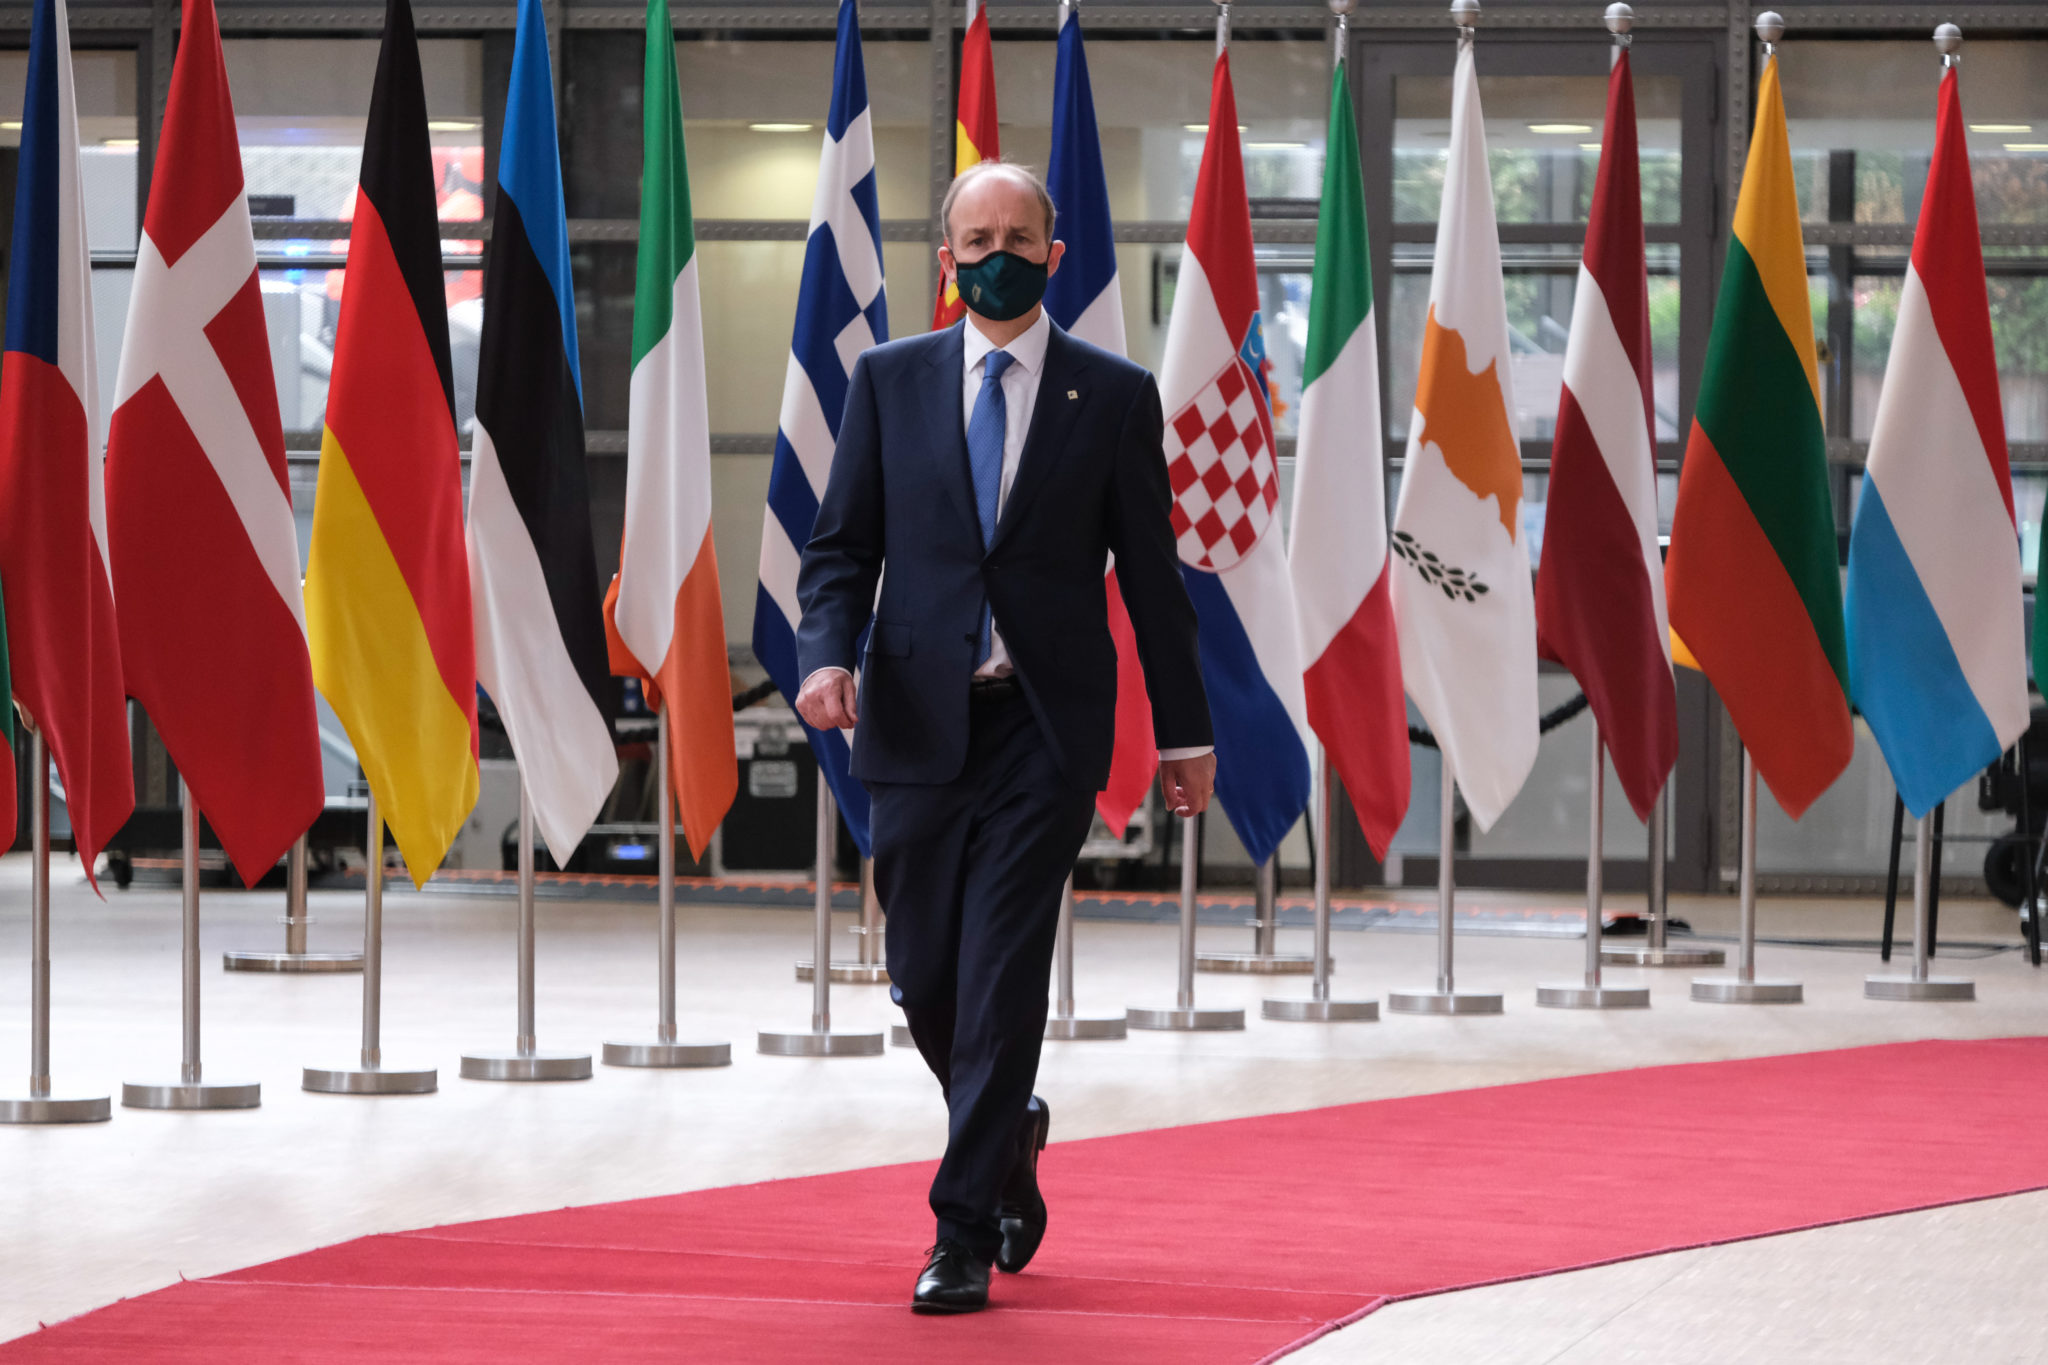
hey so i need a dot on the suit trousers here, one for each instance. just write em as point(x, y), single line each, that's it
point(969, 873)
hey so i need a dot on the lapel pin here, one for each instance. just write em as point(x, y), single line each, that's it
point(1073, 393)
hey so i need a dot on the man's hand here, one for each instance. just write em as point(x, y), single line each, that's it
point(826, 701)
point(1184, 782)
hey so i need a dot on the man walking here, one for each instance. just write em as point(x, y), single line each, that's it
point(991, 469)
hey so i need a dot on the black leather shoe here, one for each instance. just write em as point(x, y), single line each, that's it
point(952, 1281)
point(1023, 1207)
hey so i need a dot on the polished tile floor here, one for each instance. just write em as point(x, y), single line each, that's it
point(95, 1213)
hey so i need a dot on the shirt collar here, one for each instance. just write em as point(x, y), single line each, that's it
point(1027, 350)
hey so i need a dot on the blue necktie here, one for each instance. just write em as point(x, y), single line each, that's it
point(985, 430)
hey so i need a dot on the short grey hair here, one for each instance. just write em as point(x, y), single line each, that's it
point(1016, 171)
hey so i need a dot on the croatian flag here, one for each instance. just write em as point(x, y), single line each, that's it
point(1226, 486)
point(1937, 654)
point(841, 310)
point(1085, 299)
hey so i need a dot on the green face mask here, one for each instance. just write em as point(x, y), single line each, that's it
point(1000, 286)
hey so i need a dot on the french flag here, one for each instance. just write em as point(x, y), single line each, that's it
point(1085, 299)
point(1226, 486)
point(1937, 654)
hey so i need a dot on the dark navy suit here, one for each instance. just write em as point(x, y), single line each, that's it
point(980, 807)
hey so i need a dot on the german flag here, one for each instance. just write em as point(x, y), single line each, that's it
point(387, 581)
point(1753, 575)
point(976, 136)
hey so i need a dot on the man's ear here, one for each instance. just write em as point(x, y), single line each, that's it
point(946, 262)
point(1052, 260)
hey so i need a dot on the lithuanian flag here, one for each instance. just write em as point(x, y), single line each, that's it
point(976, 136)
point(1753, 575)
point(387, 580)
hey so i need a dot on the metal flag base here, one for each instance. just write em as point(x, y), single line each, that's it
point(291, 962)
point(526, 1066)
point(1262, 964)
point(1185, 1020)
point(1733, 990)
point(1320, 1011)
point(899, 1036)
point(57, 1109)
point(1074, 1028)
point(1594, 997)
point(191, 1095)
point(820, 1044)
point(849, 973)
point(371, 1080)
point(668, 1055)
point(1920, 988)
point(1663, 957)
point(1444, 1002)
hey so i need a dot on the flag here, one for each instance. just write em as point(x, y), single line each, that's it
point(841, 310)
point(1462, 600)
point(1600, 586)
point(387, 579)
point(1339, 558)
point(1220, 463)
point(540, 650)
point(1085, 299)
point(1937, 644)
point(1753, 576)
point(205, 554)
point(59, 612)
point(976, 135)
point(665, 607)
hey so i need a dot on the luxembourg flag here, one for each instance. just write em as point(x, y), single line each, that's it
point(1086, 300)
point(841, 310)
point(1937, 654)
point(1226, 486)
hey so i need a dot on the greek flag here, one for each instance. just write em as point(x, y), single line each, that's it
point(841, 310)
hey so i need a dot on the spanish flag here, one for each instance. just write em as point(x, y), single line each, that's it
point(387, 581)
point(1753, 575)
point(976, 137)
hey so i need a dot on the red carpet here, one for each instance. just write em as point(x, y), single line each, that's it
point(1224, 1242)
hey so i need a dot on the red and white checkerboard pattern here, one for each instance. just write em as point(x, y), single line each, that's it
point(1219, 459)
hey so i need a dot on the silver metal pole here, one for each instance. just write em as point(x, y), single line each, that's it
point(821, 942)
point(373, 936)
point(665, 885)
point(295, 920)
point(525, 1042)
point(1266, 931)
point(1320, 988)
point(1744, 988)
point(870, 917)
point(295, 957)
point(1446, 881)
point(1595, 818)
point(1190, 872)
point(1063, 953)
point(1659, 899)
point(1656, 949)
point(1918, 984)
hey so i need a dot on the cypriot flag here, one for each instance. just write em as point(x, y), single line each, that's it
point(1462, 602)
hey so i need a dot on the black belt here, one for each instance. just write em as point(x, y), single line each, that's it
point(992, 689)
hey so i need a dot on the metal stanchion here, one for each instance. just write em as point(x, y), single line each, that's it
point(1184, 1017)
point(371, 1076)
point(526, 1062)
point(1319, 1007)
point(1264, 959)
point(1593, 995)
point(665, 1051)
point(295, 957)
point(820, 1040)
point(1446, 998)
point(40, 1106)
point(1743, 988)
point(1658, 951)
point(866, 969)
point(1064, 1023)
point(191, 1090)
point(1919, 985)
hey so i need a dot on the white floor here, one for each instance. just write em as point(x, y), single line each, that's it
point(100, 1212)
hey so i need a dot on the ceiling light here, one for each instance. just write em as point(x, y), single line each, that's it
point(1276, 146)
point(1561, 128)
point(451, 125)
point(2026, 146)
point(120, 142)
point(780, 127)
point(2001, 127)
point(12, 125)
point(1203, 127)
point(1589, 146)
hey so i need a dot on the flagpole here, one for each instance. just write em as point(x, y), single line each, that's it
point(1657, 950)
point(526, 1062)
point(665, 1051)
point(40, 1106)
point(1319, 1008)
point(191, 1090)
point(820, 1040)
point(1593, 994)
point(1184, 1017)
point(371, 1076)
point(1743, 988)
point(295, 957)
point(1064, 1025)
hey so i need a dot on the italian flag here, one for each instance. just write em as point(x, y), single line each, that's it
point(663, 611)
point(1753, 575)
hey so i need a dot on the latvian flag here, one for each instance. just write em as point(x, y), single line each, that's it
point(66, 655)
point(205, 554)
point(1937, 658)
point(1220, 462)
point(540, 650)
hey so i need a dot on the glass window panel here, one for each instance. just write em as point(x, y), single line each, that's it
point(104, 83)
point(2019, 333)
point(1543, 145)
point(1875, 99)
point(2029, 498)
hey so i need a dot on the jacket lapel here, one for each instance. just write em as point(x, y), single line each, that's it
point(1052, 419)
point(948, 424)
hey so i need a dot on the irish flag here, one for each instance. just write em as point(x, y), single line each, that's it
point(1937, 653)
point(1339, 557)
point(1753, 578)
point(976, 135)
point(665, 607)
point(1461, 591)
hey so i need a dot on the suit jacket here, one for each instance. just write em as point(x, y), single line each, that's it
point(1091, 480)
